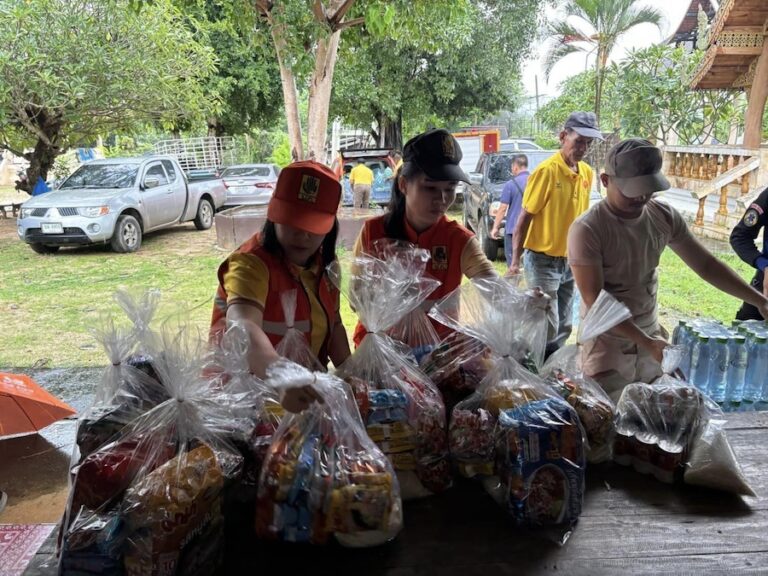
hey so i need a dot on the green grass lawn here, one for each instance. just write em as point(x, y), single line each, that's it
point(49, 303)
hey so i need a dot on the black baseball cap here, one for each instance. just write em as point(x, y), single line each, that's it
point(635, 165)
point(584, 123)
point(437, 153)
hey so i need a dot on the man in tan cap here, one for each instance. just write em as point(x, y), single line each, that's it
point(616, 246)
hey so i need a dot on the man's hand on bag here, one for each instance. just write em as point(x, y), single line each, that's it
point(495, 233)
point(514, 269)
point(656, 347)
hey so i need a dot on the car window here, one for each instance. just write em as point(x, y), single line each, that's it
point(480, 165)
point(246, 171)
point(499, 169)
point(102, 176)
point(170, 170)
point(156, 171)
point(527, 146)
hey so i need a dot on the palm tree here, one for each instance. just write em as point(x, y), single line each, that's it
point(595, 25)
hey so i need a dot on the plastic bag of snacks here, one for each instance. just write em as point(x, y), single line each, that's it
point(149, 501)
point(563, 371)
point(655, 423)
point(401, 408)
point(413, 328)
point(294, 345)
point(323, 476)
point(457, 366)
point(515, 431)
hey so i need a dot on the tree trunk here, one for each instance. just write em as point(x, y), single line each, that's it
point(391, 131)
point(320, 95)
point(758, 94)
point(40, 163)
point(602, 60)
point(290, 98)
point(47, 128)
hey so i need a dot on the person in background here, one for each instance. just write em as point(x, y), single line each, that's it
point(616, 246)
point(292, 251)
point(397, 159)
point(511, 202)
point(361, 180)
point(422, 192)
point(743, 238)
point(556, 194)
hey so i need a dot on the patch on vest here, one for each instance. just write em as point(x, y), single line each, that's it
point(439, 258)
point(751, 217)
point(309, 188)
point(757, 207)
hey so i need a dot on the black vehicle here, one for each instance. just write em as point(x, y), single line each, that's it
point(482, 196)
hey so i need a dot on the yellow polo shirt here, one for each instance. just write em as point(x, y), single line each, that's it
point(361, 174)
point(556, 196)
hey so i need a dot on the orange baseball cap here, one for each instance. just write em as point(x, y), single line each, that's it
point(306, 196)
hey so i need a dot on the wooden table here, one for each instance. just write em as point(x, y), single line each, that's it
point(631, 524)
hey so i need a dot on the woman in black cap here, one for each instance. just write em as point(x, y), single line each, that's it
point(422, 191)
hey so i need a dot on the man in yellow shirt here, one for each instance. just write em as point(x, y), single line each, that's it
point(557, 192)
point(361, 180)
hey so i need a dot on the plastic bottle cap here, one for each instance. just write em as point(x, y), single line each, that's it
point(762, 339)
point(722, 340)
point(740, 338)
point(681, 323)
point(703, 338)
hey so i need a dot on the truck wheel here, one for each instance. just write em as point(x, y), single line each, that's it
point(204, 218)
point(43, 249)
point(490, 246)
point(127, 236)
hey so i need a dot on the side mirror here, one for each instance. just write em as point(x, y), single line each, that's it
point(151, 182)
point(475, 178)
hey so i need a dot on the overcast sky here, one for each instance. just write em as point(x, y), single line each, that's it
point(638, 37)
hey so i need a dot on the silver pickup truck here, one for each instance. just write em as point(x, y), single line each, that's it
point(117, 201)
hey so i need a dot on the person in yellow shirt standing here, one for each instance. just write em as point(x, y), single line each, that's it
point(361, 180)
point(557, 192)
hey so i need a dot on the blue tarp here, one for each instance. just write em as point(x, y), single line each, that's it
point(40, 188)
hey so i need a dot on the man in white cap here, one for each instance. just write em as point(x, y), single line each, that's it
point(556, 193)
point(616, 246)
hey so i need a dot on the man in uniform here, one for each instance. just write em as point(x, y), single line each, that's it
point(743, 243)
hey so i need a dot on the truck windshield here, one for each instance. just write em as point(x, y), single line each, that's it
point(102, 176)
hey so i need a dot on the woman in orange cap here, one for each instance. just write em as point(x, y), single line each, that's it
point(291, 252)
point(423, 190)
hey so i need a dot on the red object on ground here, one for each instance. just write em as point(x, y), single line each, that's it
point(25, 407)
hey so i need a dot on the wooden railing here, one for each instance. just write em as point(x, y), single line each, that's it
point(706, 170)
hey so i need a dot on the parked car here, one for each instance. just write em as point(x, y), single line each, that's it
point(518, 145)
point(117, 201)
point(481, 197)
point(378, 160)
point(249, 183)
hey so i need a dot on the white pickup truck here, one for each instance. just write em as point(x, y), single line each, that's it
point(117, 201)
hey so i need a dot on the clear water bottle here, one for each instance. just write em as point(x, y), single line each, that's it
point(687, 340)
point(718, 368)
point(737, 369)
point(678, 334)
point(700, 363)
point(757, 369)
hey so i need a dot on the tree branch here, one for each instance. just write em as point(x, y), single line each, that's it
point(319, 11)
point(13, 151)
point(349, 24)
point(336, 19)
point(24, 119)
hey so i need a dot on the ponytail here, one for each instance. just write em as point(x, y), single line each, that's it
point(394, 218)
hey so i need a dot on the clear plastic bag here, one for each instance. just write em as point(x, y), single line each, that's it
point(401, 408)
point(149, 500)
point(515, 431)
point(416, 331)
point(294, 345)
point(457, 366)
point(563, 371)
point(323, 476)
point(655, 423)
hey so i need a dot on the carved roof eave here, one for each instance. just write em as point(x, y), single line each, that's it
point(704, 66)
point(720, 18)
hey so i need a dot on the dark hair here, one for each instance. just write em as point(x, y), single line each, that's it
point(394, 218)
point(327, 249)
point(520, 160)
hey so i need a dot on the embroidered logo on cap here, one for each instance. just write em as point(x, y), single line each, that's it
point(751, 217)
point(448, 148)
point(309, 188)
point(439, 258)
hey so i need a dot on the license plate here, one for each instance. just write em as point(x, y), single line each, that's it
point(241, 189)
point(52, 228)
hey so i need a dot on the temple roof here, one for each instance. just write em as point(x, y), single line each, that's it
point(687, 30)
point(736, 39)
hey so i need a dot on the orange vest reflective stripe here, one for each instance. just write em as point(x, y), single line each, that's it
point(445, 241)
point(281, 279)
